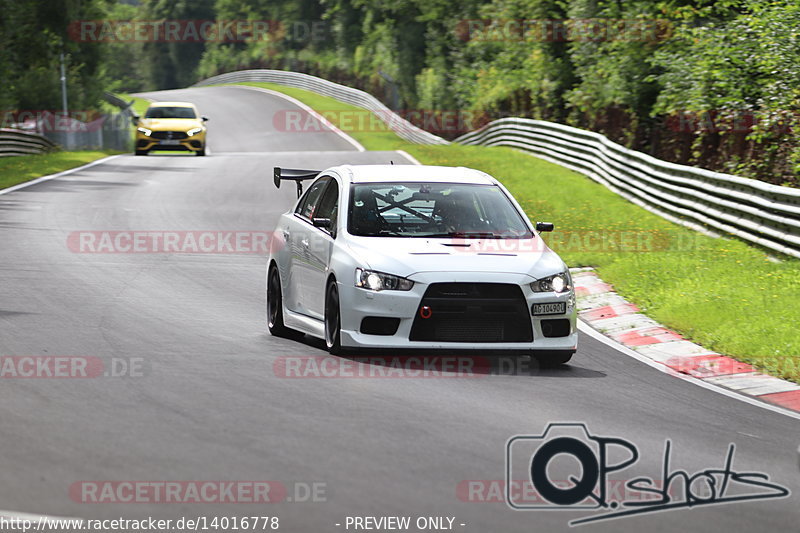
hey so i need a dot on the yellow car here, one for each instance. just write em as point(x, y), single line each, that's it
point(171, 126)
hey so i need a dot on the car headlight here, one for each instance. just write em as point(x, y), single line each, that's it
point(379, 281)
point(558, 283)
point(145, 131)
point(194, 131)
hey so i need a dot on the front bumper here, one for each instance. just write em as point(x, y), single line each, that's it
point(190, 144)
point(357, 304)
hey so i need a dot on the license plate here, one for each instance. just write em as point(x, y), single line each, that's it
point(557, 308)
point(170, 142)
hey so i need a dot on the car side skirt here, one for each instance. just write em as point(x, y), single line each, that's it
point(303, 323)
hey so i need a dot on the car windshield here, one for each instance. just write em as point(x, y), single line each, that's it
point(170, 112)
point(433, 210)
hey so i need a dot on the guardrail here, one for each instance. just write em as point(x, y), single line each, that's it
point(20, 142)
point(761, 213)
point(348, 95)
point(116, 101)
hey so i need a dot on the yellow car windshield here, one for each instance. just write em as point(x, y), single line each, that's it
point(170, 112)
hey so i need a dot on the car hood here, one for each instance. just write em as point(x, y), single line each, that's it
point(170, 124)
point(408, 256)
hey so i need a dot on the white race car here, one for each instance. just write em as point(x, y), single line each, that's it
point(419, 257)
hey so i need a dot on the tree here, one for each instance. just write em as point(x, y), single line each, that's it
point(170, 65)
point(33, 35)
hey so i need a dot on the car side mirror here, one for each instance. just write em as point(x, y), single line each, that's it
point(205, 119)
point(324, 223)
point(544, 226)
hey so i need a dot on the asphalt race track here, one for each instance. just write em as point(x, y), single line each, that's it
point(208, 405)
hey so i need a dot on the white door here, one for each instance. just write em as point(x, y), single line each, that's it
point(320, 247)
point(298, 241)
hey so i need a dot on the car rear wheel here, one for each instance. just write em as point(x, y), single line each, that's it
point(553, 358)
point(333, 325)
point(141, 152)
point(275, 305)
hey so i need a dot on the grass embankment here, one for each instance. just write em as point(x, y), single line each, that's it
point(356, 122)
point(18, 169)
point(720, 293)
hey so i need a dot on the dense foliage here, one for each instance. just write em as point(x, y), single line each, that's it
point(712, 83)
point(33, 34)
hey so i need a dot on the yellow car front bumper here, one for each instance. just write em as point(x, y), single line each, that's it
point(171, 141)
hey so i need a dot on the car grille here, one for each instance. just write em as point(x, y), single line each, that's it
point(169, 135)
point(473, 312)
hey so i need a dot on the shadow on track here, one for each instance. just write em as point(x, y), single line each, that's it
point(470, 362)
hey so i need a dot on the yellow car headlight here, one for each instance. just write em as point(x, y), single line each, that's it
point(145, 131)
point(194, 131)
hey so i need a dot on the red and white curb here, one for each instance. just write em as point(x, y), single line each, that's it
point(610, 314)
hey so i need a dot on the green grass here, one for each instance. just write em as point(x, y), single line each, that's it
point(721, 293)
point(18, 169)
point(15, 170)
point(373, 135)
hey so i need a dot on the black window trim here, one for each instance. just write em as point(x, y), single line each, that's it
point(329, 179)
point(329, 231)
point(303, 198)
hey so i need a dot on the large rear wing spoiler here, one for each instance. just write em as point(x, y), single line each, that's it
point(294, 174)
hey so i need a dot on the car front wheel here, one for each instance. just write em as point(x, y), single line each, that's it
point(275, 305)
point(333, 323)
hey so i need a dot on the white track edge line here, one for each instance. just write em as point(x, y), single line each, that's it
point(57, 175)
point(589, 330)
point(409, 157)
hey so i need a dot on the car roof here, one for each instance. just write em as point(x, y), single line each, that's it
point(171, 104)
point(427, 173)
